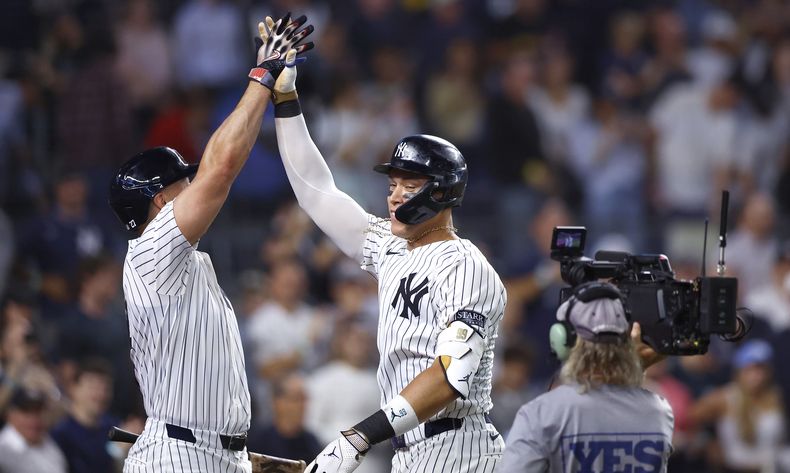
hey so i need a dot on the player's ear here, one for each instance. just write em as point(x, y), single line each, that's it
point(159, 200)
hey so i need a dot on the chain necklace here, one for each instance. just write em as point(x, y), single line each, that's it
point(449, 228)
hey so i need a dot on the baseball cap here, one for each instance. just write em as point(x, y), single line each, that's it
point(26, 399)
point(753, 352)
point(595, 318)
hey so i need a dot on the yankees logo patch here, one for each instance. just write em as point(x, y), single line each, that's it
point(400, 150)
point(411, 296)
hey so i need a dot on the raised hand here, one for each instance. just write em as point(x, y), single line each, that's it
point(273, 44)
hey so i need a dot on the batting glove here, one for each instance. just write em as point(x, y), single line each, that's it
point(285, 85)
point(276, 39)
point(341, 455)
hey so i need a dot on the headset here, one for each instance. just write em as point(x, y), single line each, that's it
point(562, 334)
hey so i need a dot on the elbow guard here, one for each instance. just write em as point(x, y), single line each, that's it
point(460, 349)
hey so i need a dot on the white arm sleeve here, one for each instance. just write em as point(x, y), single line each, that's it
point(335, 213)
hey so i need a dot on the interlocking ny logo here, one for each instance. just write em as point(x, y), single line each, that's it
point(411, 297)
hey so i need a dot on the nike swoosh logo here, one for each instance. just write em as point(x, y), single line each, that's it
point(493, 436)
point(390, 252)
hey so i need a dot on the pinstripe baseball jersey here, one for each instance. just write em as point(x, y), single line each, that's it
point(421, 291)
point(185, 342)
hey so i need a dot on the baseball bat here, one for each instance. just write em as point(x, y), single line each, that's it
point(117, 434)
point(260, 463)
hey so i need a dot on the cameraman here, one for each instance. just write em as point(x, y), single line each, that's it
point(600, 419)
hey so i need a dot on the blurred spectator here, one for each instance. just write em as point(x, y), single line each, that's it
point(622, 64)
point(285, 329)
point(659, 379)
point(521, 28)
point(748, 414)
point(771, 301)
point(765, 142)
point(350, 377)
point(284, 333)
point(558, 103)
point(389, 96)
point(183, 125)
point(347, 131)
point(608, 155)
point(696, 132)
point(209, 45)
point(752, 247)
point(533, 288)
point(714, 60)
point(55, 243)
point(454, 102)
point(286, 436)
point(12, 133)
point(354, 296)
point(6, 249)
point(372, 24)
point(447, 22)
point(143, 60)
point(667, 65)
point(513, 387)
point(25, 444)
point(94, 120)
point(21, 359)
point(82, 435)
point(95, 327)
point(513, 152)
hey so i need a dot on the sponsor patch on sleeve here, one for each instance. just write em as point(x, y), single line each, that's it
point(473, 319)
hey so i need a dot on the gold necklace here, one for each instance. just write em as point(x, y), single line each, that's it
point(449, 228)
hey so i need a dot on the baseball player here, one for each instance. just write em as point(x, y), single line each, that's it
point(600, 419)
point(440, 302)
point(186, 348)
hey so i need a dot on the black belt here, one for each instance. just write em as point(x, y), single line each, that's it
point(229, 442)
point(434, 427)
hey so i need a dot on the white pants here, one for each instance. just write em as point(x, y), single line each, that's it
point(470, 449)
point(155, 452)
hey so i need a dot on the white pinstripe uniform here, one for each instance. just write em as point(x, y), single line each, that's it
point(187, 354)
point(420, 293)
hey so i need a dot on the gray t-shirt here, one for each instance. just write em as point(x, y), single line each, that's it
point(606, 430)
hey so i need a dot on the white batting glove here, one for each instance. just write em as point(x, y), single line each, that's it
point(337, 457)
point(275, 41)
point(286, 82)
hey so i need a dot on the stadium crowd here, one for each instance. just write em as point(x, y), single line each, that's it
point(627, 117)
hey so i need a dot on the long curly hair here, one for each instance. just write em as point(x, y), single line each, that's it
point(591, 365)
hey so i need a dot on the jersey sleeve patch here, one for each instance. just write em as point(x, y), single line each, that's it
point(476, 320)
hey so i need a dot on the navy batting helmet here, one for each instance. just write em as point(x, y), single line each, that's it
point(141, 178)
point(441, 162)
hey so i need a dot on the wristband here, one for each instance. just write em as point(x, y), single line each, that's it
point(262, 76)
point(288, 109)
point(396, 418)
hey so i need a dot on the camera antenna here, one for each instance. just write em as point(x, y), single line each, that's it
point(725, 203)
point(704, 247)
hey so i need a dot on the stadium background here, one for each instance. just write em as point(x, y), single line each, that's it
point(625, 116)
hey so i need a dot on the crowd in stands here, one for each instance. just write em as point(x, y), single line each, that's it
point(628, 117)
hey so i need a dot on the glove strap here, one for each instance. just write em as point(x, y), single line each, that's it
point(262, 76)
point(281, 97)
point(357, 440)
